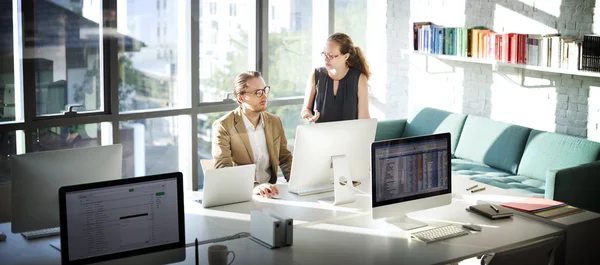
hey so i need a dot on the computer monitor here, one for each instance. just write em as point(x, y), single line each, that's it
point(410, 174)
point(110, 220)
point(36, 178)
point(316, 144)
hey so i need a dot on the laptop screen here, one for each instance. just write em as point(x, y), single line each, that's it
point(112, 219)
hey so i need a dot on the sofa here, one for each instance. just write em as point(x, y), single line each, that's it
point(536, 163)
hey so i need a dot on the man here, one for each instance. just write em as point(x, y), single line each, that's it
point(250, 135)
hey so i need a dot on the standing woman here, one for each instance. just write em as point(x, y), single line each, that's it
point(338, 91)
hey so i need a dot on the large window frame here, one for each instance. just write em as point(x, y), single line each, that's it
point(27, 122)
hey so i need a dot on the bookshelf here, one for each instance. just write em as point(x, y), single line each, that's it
point(495, 64)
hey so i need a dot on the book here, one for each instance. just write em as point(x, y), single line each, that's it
point(487, 211)
point(558, 212)
point(533, 204)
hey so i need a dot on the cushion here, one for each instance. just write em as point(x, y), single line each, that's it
point(431, 121)
point(550, 151)
point(389, 129)
point(504, 180)
point(496, 144)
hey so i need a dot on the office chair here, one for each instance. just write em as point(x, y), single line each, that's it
point(537, 253)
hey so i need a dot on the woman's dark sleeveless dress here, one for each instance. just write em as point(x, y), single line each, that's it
point(342, 106)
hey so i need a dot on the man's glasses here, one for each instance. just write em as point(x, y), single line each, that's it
point(329, 56)
point(260, 92)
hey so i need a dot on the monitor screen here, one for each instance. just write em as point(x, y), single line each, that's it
point(410, 168)
point(110, 220)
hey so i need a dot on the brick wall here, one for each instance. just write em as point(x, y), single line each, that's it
point(541, 100)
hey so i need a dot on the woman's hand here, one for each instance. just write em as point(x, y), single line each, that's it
point(307, 115)
point(265, 190)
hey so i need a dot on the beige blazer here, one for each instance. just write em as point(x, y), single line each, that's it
point(231, 144)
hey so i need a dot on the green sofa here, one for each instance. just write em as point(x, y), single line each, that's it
point(536, 163)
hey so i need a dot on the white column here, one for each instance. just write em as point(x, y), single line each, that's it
point(376, 53)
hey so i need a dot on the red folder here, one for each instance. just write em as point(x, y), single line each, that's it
point(532, 204)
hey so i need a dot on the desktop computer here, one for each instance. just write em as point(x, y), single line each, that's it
point(36, 178)
point(410, 174)
point(324, 151)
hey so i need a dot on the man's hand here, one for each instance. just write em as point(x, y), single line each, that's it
point(265, 190)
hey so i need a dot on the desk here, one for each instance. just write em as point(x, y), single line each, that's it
point(581, 229)
point(324, 234)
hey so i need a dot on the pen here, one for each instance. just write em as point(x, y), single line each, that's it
point(197, 261)
point(472, 187)
point(494, 207)
point(480, 189)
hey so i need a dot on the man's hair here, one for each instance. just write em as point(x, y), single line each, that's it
point(241, 83)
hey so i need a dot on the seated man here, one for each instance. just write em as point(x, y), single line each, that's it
point(250, 135)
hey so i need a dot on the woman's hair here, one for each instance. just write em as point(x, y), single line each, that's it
point(357, 59)
point(241, 82)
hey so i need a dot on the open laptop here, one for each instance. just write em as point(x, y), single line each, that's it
point(126, 221)
point(228, 185)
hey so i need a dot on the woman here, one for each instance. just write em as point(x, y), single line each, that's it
point(338, 91)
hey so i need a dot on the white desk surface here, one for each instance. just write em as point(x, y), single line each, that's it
point(324, 234)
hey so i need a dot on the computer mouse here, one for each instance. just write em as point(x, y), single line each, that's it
point(2, 236)
point(275, 196)
point(472, 227)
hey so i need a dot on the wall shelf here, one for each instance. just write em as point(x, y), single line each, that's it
point(495, 64)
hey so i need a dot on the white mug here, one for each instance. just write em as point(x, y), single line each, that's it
point(217, 255)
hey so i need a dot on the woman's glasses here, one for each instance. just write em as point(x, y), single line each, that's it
point(260, 92)
point(329, 56)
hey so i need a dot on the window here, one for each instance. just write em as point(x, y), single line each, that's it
point(227, 52)
point(232, 10)
point(7, 71)
point(8, 148)
point(77, 136)
point(65, 57)
point(150, 146)
point(290, 48)
point(351, 18)
point(290, 117)
point(205, 135)
point(148, 80)
point(213, 8)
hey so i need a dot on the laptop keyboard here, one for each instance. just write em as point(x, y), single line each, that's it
point(312, 190)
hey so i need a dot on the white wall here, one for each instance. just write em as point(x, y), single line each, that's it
point(546, 101)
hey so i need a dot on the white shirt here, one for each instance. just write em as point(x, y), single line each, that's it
point(258, 142)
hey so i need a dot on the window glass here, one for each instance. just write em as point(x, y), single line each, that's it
point(62, 49)
point(290, 46)
point(148, 62)
point(150, 146)
point(224, 46)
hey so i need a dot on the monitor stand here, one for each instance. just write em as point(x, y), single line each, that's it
point(404, 222)
point(343, 190)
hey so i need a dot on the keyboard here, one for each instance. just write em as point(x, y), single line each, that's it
point(312, 190)
point(440, 233)
point(41, 233)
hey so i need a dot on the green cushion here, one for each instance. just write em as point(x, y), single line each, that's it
point(496, 144)
point(550, 151)
point(485, 174)
point(389, 129)
point(432, 121)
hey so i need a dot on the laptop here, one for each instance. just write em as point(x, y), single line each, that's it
point(228, 185)
point(125, 221)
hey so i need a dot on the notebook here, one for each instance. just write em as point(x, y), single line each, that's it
point(487, 211)
point(534, 204)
